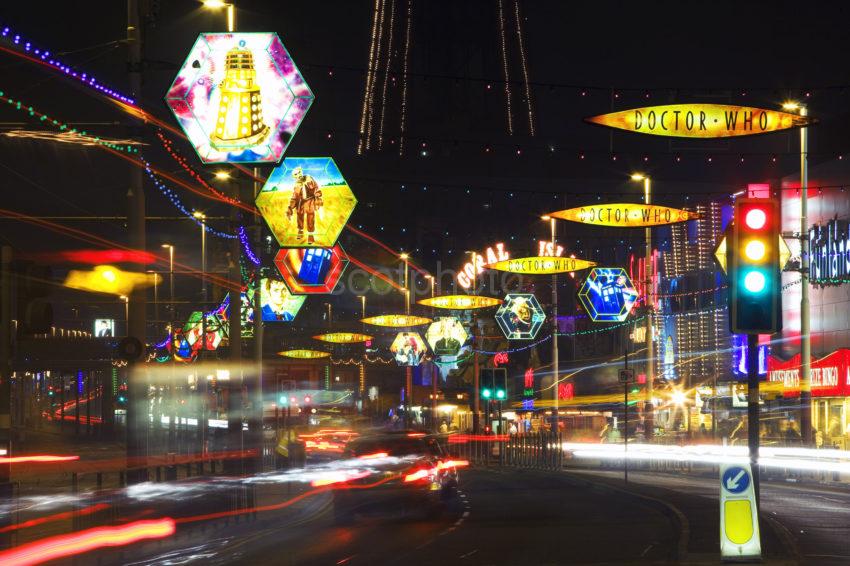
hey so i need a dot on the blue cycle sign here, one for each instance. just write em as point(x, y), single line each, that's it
point(735, 480)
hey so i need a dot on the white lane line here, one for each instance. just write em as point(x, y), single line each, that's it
point(469, 553)
point(466, 514)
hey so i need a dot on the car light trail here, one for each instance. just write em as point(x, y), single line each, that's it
point(90, 510)
point(338, 477)
point(806, 459)
point(72, 544)
point(41, 458)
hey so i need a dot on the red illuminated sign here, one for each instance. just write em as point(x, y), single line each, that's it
point(830, 375)
point(566, 391)
point(501, 358)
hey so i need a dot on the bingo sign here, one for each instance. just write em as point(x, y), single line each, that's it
point(607, 294)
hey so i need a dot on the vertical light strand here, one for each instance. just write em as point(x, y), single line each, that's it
point(375, 74)
point(505, 68)
point(403, 120)
point(387, 67)
point(524, 62)
point(369, 72)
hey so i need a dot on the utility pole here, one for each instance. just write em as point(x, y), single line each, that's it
point(257, 428)
point(137, 422)
point(555, 364)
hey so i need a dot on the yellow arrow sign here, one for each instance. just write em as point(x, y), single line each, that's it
point(720, 254)
point(541, 265)
point(700, 120)
point(626, 215)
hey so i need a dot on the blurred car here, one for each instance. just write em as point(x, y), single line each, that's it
point(411, 475)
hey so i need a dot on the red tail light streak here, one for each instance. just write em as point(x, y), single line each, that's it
point(72, 544)
point(38, 458)
point(90, 510)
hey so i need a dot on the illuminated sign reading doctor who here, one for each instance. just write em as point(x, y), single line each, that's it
point(626, 215)
point(498, 254)
point(700, 120)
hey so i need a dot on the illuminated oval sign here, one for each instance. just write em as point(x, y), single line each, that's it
point(700, 120)
point(539, 265)
point(343, 337)
point(626, 215)
point(304, 354)
point(396, 320)
point(460, 302)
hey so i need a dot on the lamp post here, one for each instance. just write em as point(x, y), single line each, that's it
point(476, 382)
point(805, 260)
point(155, 296)
point(555, 355)
point(126, 300)
point(649, 421)
point(408, 371)
point(201, 217)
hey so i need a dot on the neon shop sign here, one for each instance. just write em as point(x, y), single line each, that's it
point(829, 248)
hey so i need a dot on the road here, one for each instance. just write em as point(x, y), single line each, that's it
point(500, 517)
point(815, 518)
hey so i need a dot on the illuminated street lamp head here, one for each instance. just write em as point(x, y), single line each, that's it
point(545, 217)
point(222, 175)
point(167, 246)
point(199, 215)
point(214, 4)
point(403, 255)
point(791, 105)
point(428, 276)
point(638, 177)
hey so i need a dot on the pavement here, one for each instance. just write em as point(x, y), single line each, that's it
point(810, 523)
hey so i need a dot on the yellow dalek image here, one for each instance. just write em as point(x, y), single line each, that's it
point(240, 113)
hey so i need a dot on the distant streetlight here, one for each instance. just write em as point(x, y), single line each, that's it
point(222, 175)
point(650, 369)
point(231, 11)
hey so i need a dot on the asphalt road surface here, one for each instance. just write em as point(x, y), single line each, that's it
point(499, 517)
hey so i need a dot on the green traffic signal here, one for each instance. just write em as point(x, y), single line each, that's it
point(283, 400)
point(486, 393)
point(500, 394)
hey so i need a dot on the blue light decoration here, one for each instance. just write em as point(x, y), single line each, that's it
point(607, 294)
point(44, 57)
point(739, 357)
point(80, 381)
point(520, 316)
point(246, 246)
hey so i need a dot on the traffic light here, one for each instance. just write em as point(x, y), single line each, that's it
point(755, 298)
point(494, 384)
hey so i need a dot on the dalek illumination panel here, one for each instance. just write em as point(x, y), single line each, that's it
point(239, 97)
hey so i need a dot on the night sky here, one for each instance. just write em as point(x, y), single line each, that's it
point(463, 182)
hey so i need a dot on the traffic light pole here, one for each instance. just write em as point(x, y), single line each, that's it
point(753, 408)
point(626, 416)
point(805, 311)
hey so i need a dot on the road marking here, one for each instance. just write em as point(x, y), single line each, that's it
point(469, 553)
point(466, 513)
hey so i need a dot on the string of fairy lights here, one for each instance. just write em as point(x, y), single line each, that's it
point(507, 83)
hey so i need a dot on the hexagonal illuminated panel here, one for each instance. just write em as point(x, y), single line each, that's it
point(239, 97)
point(446, 336)
point(520, 316)
point(277, 304)
point(408, 348)
point(607, 294)
point(306, 202)
point(311, 270)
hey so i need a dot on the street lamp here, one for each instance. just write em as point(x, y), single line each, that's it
point(170, 249)
point(650, 368)
point(805, 260)
point(231, 11)
point(222, 176)
point(201, 217)
point(404, 257)
point(555, 362)
point(155, 295)
point(126, 300)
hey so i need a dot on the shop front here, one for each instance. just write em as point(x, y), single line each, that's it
point(830, 380)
